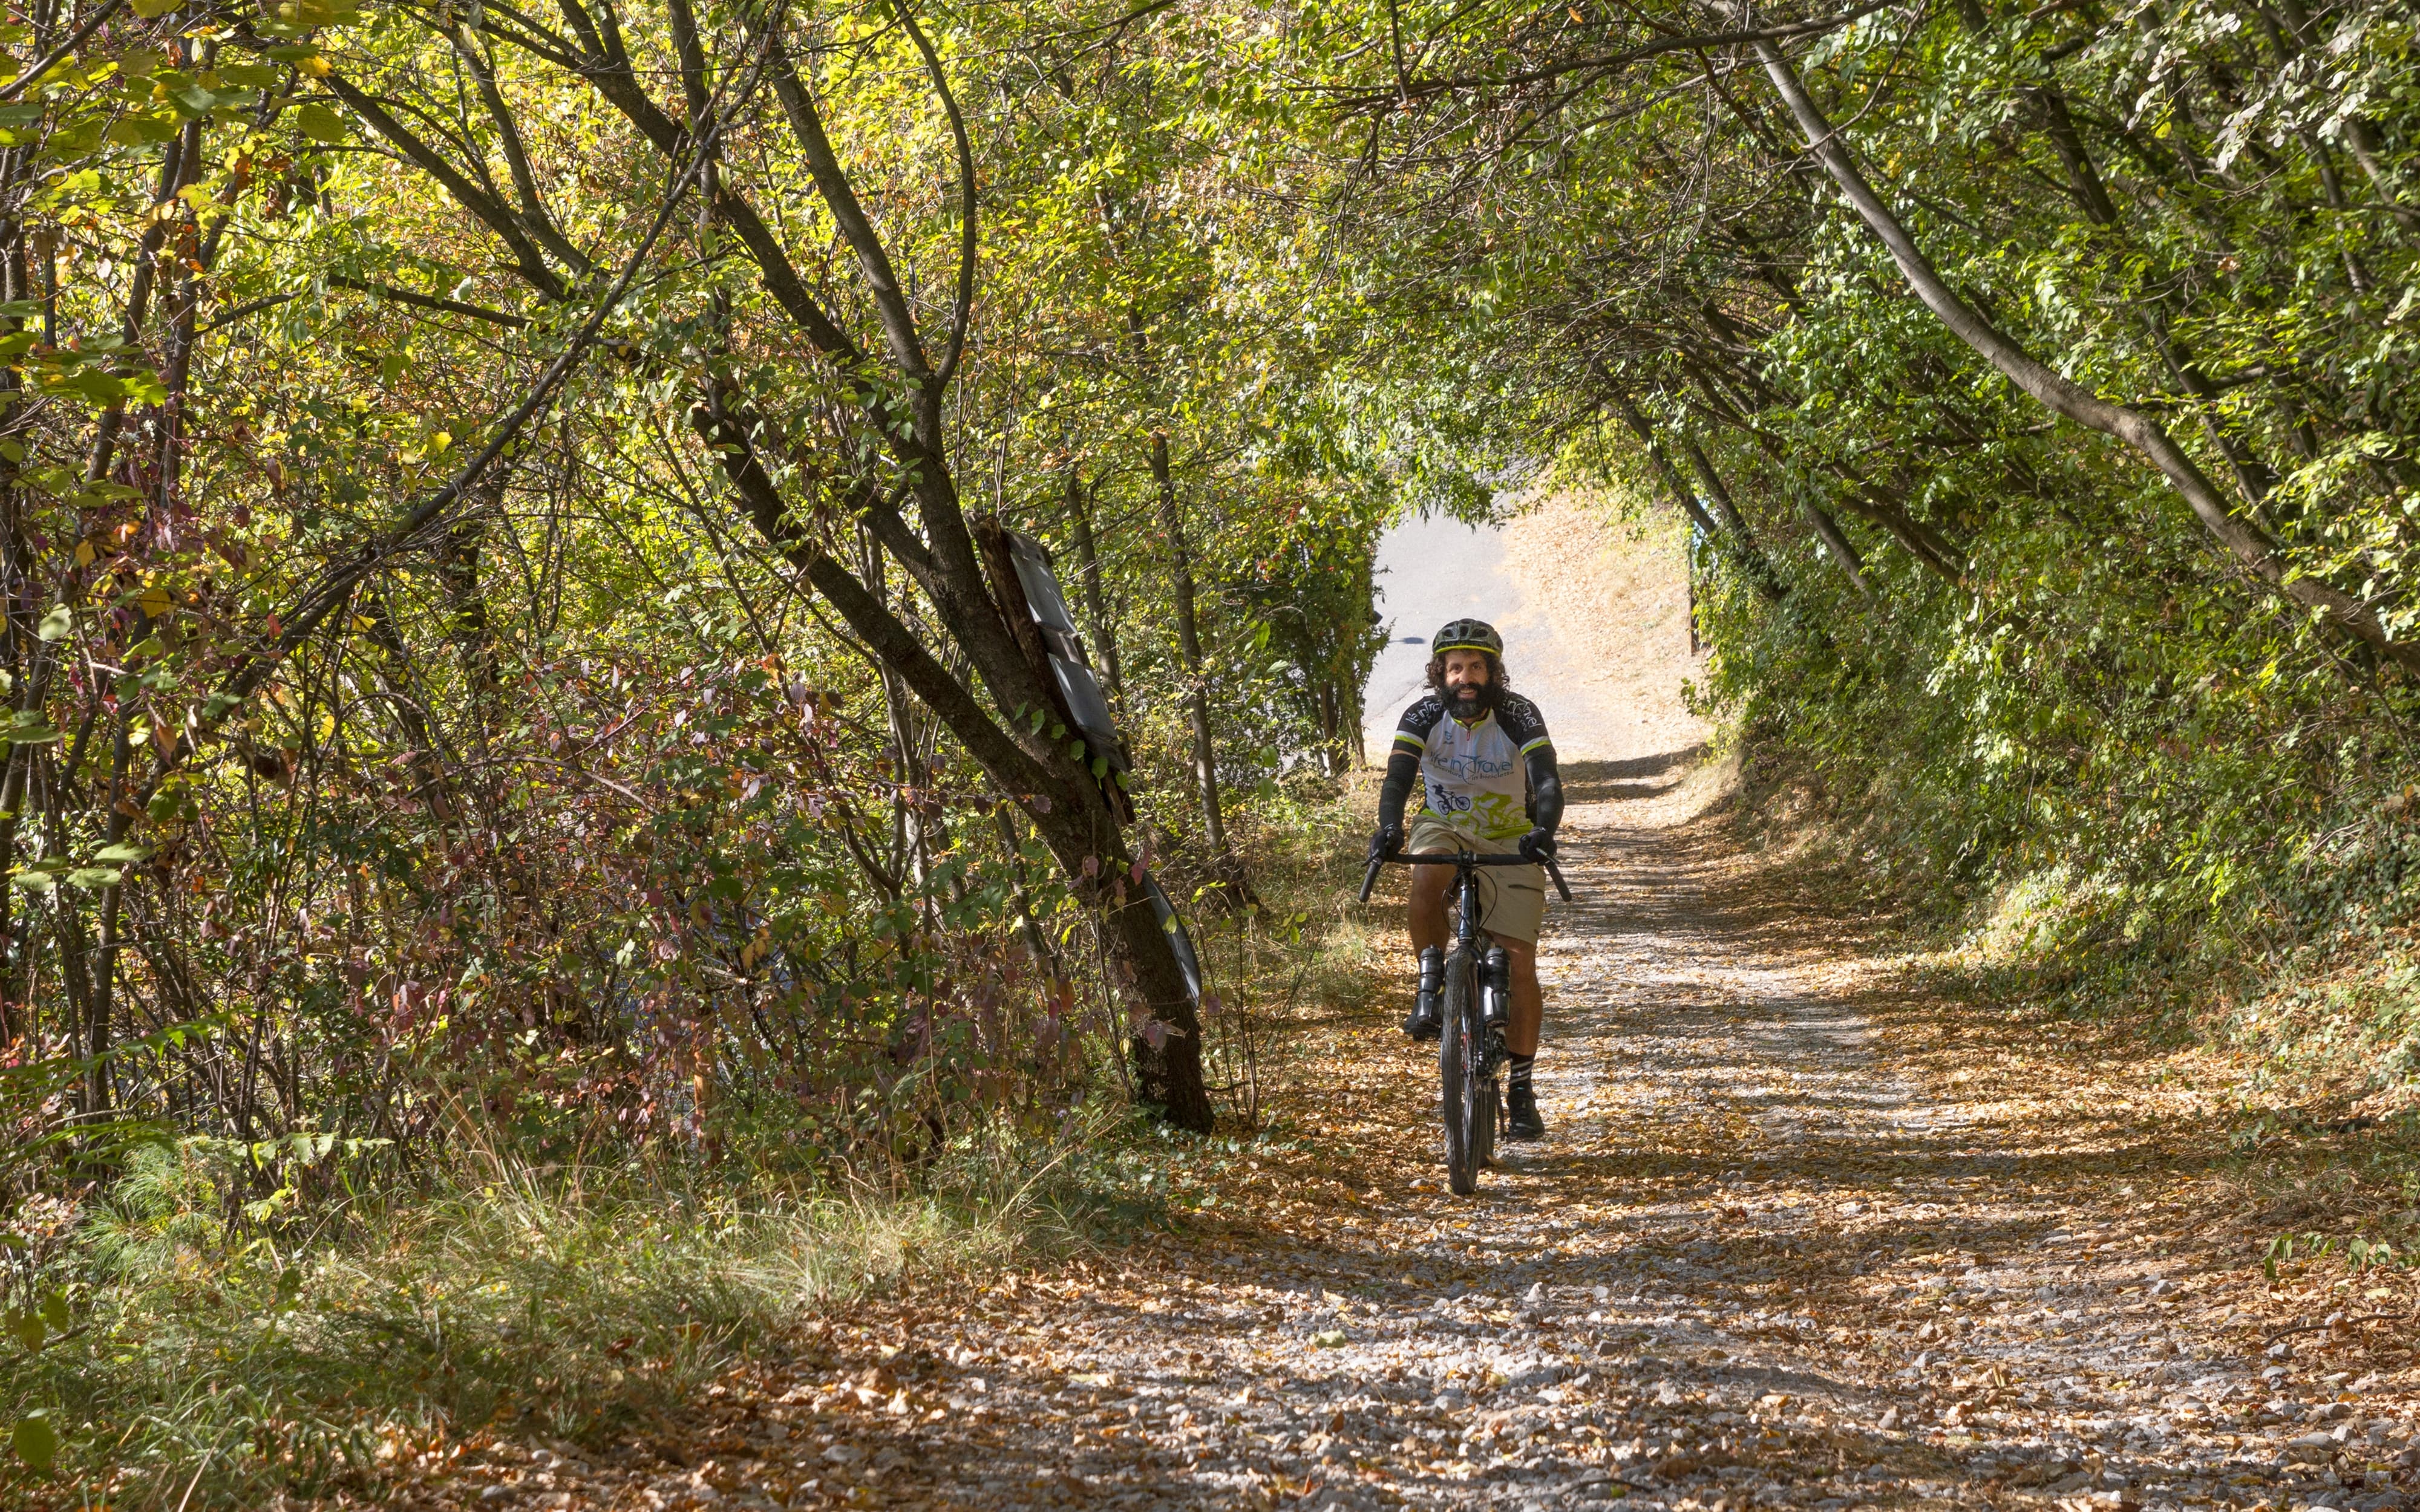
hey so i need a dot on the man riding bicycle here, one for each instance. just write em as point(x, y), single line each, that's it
point(1487, 774)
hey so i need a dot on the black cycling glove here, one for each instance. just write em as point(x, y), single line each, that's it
point(1402, 771)
point(1545, 804)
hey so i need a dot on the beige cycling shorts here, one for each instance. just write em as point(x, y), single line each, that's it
point(1512, 899)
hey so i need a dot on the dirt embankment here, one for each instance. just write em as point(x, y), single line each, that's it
point(1609, 602)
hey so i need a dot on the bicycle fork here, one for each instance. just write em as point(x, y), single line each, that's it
point(1494, 966)
point(1495, 1004)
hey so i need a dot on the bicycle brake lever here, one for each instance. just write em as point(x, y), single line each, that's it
point(1560, 885)
point(1369, 878)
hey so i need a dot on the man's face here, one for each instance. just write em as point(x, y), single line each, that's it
point(1465, 682)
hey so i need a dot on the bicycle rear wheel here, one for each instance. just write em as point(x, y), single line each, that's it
point(1459, 1053)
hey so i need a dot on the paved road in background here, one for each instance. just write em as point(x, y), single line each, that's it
point(1430, 571)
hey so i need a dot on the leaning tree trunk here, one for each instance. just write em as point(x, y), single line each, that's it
point(1734, 542)
point(1061, 798)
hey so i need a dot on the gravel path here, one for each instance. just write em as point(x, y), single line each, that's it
point(1756, 1264)
point(1799, 1237)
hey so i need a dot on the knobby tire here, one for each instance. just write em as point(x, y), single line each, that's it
point(1491, 1113)
point(1459, 1054)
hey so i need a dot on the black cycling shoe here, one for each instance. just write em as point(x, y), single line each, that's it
point(1525, 1123)
point(1425, 1023)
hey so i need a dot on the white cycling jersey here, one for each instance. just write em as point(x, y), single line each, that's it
point(1475, 776)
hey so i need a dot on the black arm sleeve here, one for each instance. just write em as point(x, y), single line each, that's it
point(1402, 774)
point(1545, 788)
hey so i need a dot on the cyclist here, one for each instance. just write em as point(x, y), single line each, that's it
point(1487, 774)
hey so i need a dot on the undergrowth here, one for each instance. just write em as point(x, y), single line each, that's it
point(172, 1345)
point(209, 1363)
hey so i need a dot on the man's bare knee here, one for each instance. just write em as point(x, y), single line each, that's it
point(1522, 953)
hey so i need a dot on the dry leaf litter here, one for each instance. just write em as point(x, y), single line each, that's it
point(1800, 1237)
point(1803, 1235)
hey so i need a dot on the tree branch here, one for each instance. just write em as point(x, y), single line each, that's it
point(2058, 393)
point(962, 310)
point(490, 210)
point(426, 301)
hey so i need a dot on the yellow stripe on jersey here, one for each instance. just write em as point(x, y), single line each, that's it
point(1538, 744)
point(1404, 738)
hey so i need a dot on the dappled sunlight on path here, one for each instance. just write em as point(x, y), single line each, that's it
point(1765, 1258)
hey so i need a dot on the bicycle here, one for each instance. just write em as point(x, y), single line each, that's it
point(1470, 1051)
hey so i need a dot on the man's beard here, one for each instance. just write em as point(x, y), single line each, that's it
point(1469, 700)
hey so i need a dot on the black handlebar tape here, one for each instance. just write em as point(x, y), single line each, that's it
point(1369, 878)
point(1560, 885)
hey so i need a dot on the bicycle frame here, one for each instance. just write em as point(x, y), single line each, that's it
point(1471, 1048)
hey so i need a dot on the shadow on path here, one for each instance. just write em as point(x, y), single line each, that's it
point(1764, 1259)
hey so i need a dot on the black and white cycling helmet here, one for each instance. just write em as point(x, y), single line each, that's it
point(1467, 634)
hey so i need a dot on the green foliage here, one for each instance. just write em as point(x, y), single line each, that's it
point(419, 738)
point(580, 810)
point(2005, 646)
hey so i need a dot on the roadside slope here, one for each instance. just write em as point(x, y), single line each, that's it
point(1595, 619)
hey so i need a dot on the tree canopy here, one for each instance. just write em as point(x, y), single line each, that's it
point(513, 516)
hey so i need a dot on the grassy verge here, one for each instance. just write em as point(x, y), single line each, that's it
point(2305, 1051)
point(199, 1366)
point(2299, 1048)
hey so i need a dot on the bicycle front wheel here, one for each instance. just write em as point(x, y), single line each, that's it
point(1490, 1117)
point(1459, 1053)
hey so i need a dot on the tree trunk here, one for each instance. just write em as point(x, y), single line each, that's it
point(1197, 693)
point(167, 435)
point(1884, 507)
point(1036, 945)
point(428, 767)
point(466, 601)
point(1065, 804)
point(1752, 564)
point(1332, 742)
point(16, 592)
point(1836, 541)
point(1088, 565)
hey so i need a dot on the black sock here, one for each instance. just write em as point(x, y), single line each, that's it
point(1521, 1064)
